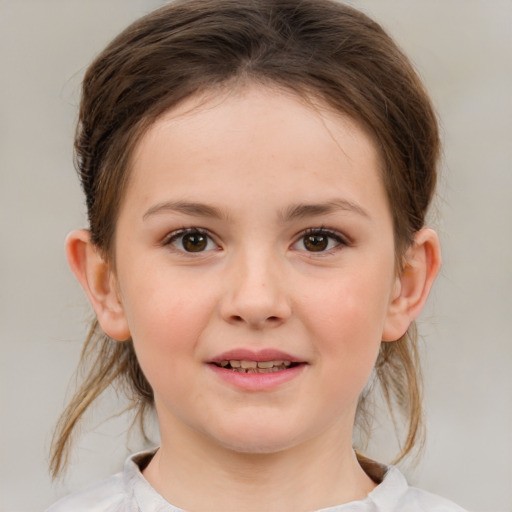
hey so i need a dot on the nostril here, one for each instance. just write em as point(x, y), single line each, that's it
point(268, 320)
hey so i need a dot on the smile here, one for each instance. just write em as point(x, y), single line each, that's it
point(260, 370)
point(247, 366)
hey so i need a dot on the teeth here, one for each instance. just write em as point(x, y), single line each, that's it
point(247, 366)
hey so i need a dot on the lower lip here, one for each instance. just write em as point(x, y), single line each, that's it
point(257, 381)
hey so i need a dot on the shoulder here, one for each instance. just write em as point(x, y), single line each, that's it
point(423, 501)
point(123, 492)
point(105, 496)
point(394, 495)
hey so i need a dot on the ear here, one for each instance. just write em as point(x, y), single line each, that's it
point(99, 283)
point(421, 265)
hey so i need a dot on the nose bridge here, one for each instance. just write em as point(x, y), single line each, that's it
point(256, 292)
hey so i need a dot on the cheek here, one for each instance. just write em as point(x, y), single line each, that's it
point(351, 310)
point(347, 324)
point(166, 322)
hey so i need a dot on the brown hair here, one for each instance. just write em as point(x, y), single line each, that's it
point(317, 48)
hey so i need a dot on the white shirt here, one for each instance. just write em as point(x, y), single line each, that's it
point(129, 491)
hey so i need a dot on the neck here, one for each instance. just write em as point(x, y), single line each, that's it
point(201, 475)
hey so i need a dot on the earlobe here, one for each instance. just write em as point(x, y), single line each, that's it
point(98, 281)
point(422, 263)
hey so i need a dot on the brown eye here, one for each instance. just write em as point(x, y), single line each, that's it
point(320, 240)
point(194, 242)
point(191, 240)
point(316, 242)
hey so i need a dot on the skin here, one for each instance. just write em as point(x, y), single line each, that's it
point(257, 168)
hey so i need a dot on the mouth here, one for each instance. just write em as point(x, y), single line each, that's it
point(248, 366)
point(261, 370)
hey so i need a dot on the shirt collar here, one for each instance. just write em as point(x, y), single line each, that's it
point(391, 487)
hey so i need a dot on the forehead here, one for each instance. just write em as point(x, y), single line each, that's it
point(257, 100)
point(253, 135)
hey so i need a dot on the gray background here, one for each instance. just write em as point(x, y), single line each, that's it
point(463, 50)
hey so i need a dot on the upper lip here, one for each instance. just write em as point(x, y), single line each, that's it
point(266, 354)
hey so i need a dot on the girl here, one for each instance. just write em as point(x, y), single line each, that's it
point(257, 176)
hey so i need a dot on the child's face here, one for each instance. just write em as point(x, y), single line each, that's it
point(256, 228)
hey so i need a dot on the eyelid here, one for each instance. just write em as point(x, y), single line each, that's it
point(341, 239)
point(175, 235)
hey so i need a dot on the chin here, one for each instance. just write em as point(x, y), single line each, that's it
point(258, 439)
point(257, 449)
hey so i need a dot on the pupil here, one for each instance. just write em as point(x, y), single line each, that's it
point(316, 242)
point(194, 242)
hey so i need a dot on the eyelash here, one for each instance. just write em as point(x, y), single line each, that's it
point(181, 233)
point(341, 241)
point(175, 236)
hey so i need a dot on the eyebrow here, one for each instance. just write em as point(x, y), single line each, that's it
point(188, 208)
point(303, 210)
point(297, 211)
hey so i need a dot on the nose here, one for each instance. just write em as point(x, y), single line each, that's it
point(256, 292)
